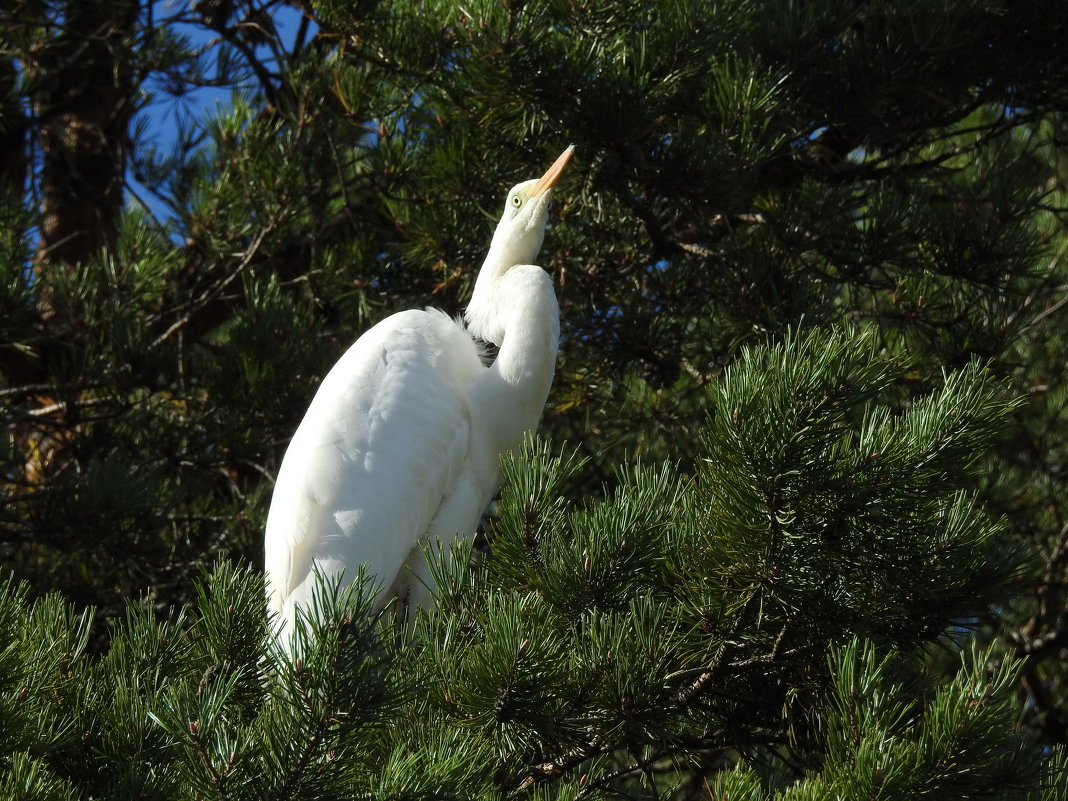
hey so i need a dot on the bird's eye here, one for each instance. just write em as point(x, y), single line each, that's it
point(517, 201)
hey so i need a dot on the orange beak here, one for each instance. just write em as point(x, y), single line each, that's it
point(546, 181)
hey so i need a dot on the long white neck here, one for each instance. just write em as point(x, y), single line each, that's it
point(531, 320)
point(489, 309)
point(514, 307)
point(516, 385)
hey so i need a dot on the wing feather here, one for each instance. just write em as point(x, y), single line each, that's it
point(382, 444)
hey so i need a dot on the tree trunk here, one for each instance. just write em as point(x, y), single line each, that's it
point(85, 108)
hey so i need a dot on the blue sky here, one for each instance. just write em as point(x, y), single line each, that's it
point(163, 115)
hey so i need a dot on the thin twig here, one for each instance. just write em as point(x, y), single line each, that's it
point(210, 294)
point(62, 406)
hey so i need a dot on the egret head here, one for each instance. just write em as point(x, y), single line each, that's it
point(517, 240)
point(521, 230)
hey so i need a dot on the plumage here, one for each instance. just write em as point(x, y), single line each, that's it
point(401, 442)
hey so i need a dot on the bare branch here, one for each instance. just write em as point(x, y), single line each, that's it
point(213, 292)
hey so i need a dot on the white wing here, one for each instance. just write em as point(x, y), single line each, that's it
point(384, 443)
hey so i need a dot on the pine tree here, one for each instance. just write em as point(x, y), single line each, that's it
point(796, 525)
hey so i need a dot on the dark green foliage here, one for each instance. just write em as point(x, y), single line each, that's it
point(667, 624)
point(891, 738)
point(196, 706)
point(808, 480)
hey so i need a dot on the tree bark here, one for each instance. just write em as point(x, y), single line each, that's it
point(84, 109)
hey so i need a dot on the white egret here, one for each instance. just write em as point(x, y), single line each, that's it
point(400, 444)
